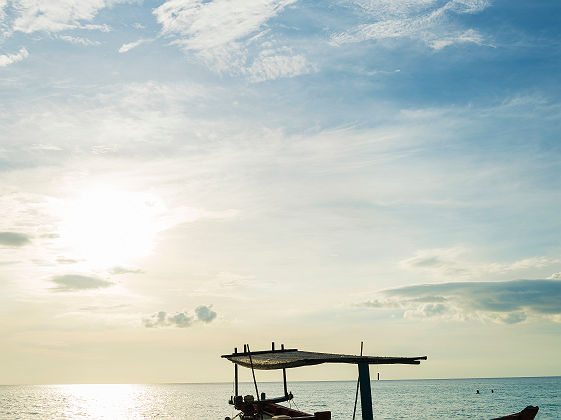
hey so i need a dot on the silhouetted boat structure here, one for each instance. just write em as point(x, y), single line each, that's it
point(527, 414)
point(268, 408)
point(262, 408)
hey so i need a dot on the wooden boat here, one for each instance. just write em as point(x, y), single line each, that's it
point(269, 408)
point(263, 408)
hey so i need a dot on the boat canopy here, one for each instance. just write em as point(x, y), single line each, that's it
point(291, 358)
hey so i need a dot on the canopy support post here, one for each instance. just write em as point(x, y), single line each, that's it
point(235, 375)
point(365, 393)
point(252, 371)
point(284, 377)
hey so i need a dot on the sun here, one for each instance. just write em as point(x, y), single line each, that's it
point(106, 227)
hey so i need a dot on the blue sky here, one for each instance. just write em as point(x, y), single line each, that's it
point(172, 172)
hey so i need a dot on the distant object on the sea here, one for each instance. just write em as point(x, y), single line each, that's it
point(259, 407)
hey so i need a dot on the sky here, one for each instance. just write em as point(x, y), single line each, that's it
point(182, 177)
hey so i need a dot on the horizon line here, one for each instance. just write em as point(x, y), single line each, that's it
point(272, 382)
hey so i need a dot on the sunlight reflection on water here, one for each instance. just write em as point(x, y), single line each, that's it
point(420, 399)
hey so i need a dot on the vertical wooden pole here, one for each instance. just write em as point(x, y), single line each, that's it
point(252, 372)
point(284, 382)
point(365, 393)
point(236, 374)
point(357, 384)
point(284, 377)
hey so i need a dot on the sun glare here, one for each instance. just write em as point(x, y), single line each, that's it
point(107, 227)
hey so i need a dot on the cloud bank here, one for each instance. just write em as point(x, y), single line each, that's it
point(203, 313)
point(77, 282)
point(509, 302)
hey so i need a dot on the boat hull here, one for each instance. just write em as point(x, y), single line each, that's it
point(265, 411)
point(529, 413)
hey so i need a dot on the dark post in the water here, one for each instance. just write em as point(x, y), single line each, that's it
point(365, 395)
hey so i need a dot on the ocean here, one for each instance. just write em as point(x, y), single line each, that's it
point(392, 399)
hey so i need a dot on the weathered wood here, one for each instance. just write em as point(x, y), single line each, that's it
point(290, 358)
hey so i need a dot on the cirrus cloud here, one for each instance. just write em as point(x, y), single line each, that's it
point(221, 33)
point(424, 20)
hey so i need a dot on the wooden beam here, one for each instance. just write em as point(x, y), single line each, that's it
point(365, 393)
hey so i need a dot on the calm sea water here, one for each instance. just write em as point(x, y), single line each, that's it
point(415, 399)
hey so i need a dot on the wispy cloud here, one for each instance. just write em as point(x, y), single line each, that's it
point(7, 59)
point(79, 41)
point(205, 25)
point(425, 20)
point(203, 313)
point(129, 46)
point(469, 36)
point(66, 260)
point(93, 27)
point(509, 301)
point(271, 65)
point(46, 147)
point(78, 282)
point(220, 32)
point(453, 262)
point(14, 239)
point(56, 16)
point(125, 270)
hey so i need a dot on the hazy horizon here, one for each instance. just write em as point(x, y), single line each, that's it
point(373, 379)
point(181, 177)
